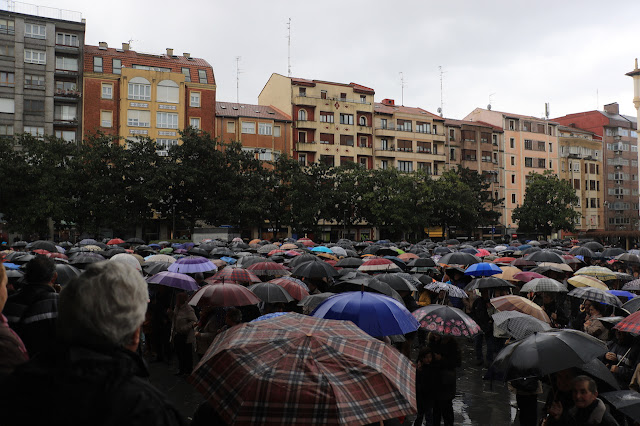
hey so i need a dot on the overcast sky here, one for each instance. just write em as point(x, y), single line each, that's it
point(515, 54)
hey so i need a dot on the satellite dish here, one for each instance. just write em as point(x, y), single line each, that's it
point(439, 110)
point(489, 107)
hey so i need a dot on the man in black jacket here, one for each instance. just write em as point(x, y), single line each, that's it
point(93, 374)
point(588, 409)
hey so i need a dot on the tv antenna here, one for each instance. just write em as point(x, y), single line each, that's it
point(238, 71)
point(289, 48)
point(402, 86)
point(441, 109)
point(490, 101)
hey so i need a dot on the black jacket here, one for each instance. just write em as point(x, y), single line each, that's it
point(84, 386)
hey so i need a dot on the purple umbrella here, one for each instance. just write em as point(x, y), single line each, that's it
point(191, 264)
point(175, 280)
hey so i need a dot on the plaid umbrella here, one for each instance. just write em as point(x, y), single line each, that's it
point(451, 289)
point(238, 275)
point(175, 280)
point(517, 324)
point(297, 291)
point(379, 265)
point(599, 272)
point(446, 320)
point(544, 285)
point(587, 281)
point(223, 295)
point(630, 324)
point(595, 295)
point(512, 302)
point(191, 264)
point(296, 369)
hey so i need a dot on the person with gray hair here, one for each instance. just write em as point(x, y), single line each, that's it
point(588, 408)
point(93, 374)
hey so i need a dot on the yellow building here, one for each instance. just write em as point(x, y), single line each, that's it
point(332, 122)
point(581, 164)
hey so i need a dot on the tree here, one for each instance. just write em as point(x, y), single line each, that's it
point(548, 205)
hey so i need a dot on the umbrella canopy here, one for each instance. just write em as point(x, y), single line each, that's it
point(613, 252)
point(527, 276)
point(517, 324)
point(622, 293)
point(175, 280)
point(561, 267)
point(353, 282)
point(66, 273)
point(512, 302)
point(630, 324)
point(297, 291)
point(349, 262)
point(594, 246)
point(595, 295)
point(545, 256)
point(508, 273)
point(291, 368)
point(488, 282)
point(446, 320)
point(378, 315)
point(422, 262)
point(505, 260)
point(598, 272)
point(625, 401)
point(483, 269)
point(544, 285)
point(632, 305)
point(237, 275)
point(84, 258)
point(459, 258)
point(396, 282)
point(268, 269)
point(632, 285)
point(310, 302)
point(451, 289)
point(43, 245)
point(315, 270)
point(628, 257)
point(523, 263)
point(161, 258)
point(379, 265)
point(128, 259)
point(547, 352)
point(115, 241)
point(299, 260)
point(152, 268)
point(587, 281)
point(192, 264)
point(271, 293)
point(581, 251)
point(217, 295)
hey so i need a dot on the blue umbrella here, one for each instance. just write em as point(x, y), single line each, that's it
point(622, 293)
point(9, 265)
point(483, 269)
point(524, 247)
point(322, 249)
point(229, 260)
point(269, 316)
point(376, 314)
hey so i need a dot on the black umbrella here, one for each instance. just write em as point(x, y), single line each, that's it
point(632, 305)
point(314, 270)
point(135, 241)
point(442, 250)
point(43, 245)
point(596, 369)
point(613, 252)
point(66, 273)
point(547, 352)
point(531, 250)
point(581, 251)
point(307, 257)
point(152, 268)
point(271, 293)
point(12, 255)
point(349, 262)
point(396, 282)
point(247, 261)
point(116, 250)
point(628, 257)
point(20, 244)
point(545, 256)
point(21, 260)
point(219, 252)
point(459, 258)
point(488, 282)
point(359, 283)
point(625, 401)
point(84, 258)
point(593, 245)
point(423, 262)
point(197, 251)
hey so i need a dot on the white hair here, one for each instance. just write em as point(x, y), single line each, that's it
point(105, 305)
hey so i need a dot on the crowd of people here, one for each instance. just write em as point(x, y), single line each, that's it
point(79, 346)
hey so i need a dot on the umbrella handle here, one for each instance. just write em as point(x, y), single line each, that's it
point(623, 357)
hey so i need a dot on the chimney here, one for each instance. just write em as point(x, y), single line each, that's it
point(125, 47)
point(187, 55)
point(169, 51)
point(388, 102)
point(613, 108)
point(103, 45)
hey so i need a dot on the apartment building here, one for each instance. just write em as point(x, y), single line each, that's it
point(263, 130)
point(131, 94)
point(332, 122)
point(40, 72)
point(408, 138)
point(581, 165)
point(530, 145)
point(620, 162)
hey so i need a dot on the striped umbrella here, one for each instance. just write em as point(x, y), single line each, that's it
point(587, 281)
point(544, 285)
point(517, 324)
point(599, 272)
point(595, 295)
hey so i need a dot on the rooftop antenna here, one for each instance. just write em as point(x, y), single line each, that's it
point(402, 85)
point(238, 71)
point(440, 110)
point(490, 101)
point(546, 110)
point(289, 48)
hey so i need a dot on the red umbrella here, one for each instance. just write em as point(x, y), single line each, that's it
point(522, 262)
point(238, 275)
point(630, 324)
point(294, 289)
point(223, 295)
point(57, 256)
point(275, 251)
point(527, 276)
point(42, 251)
point(483, 253)
point(268, 269)
point(115, 241)
point(504, 260)
point(378, 265)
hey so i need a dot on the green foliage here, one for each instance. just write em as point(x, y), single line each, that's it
point(547, 206)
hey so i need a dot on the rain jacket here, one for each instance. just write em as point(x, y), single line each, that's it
point(12, 350)
point(183, 319)
point(595, 414)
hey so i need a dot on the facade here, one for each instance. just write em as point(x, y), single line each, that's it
point(408, 139)
point(130, 94)
point(581, 165)
point(332, 122)
point(620, 163)
point(264, 130)
point(41, 72)
point(530, 145)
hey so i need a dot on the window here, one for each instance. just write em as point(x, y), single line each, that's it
point(423, 128)
point(550, 146)
point(248, 127)
point(326, 138)
point(528, 162)
point(7, 27)
point(7, 50)
point(97, 63)
point(7, 105)
point(137, 118)
point(424, 147)
point(32, 106)
point(384, 164)
point(195, 100)
point(326, 117)
point(452, 135)
point(362, 120)
point(168, 91)
point(65, 87)
point(276, 131)
point(37, 132)
point(150, 68)
point(384, 144)
point(71, 64)
point(66, 135)
point(202, 75)
point(65, 112)
point(107, 91)
point(346, 118)
point(117, 66)
point(265, 128)
point(513, 160)
point(169, 120)
point(106, 119)
point(494, 139)
point(302, 91)
point(383, 123)
point(346, 140)
point(193, 122)
point(541, 146)
point(364, 162)
point(452, 154)
point(404, 125)
point(512, 142)
point(187, 74)
point(343, 96)
point(364, 142)
point(32, 56)
point(513, 198)
point(323, 94)
point(425, 167)
point(329, 160)
point(165, 144)
point(528, 144)
point(302, 115)
point(35, 31)
point(512, 125)
point(33, 81)
point(513, 179)
point(363, 99)
point(405, 146)
point(405, 166)
point(6, 130)
point(231, 126)
point(7, 79)
point(139, 89)
point(302, 137)
point(265, 155)
point(67, 39)
point(302, 159)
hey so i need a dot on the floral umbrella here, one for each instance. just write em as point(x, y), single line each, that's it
point(446, 320)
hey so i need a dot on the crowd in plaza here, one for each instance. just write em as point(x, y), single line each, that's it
point(303, 333)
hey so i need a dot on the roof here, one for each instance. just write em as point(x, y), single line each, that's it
point(389, 109)
point(454, 122)
point(231, 109)
point(358, 88)
point(526, 117)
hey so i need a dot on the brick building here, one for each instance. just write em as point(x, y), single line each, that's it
point(131, 94)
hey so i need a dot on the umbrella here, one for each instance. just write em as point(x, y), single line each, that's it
point(422, 262)
point(315, 270)
point(236, 275)
point(297, 291)
point(544, 285)
point(581, 251)
point(396, 282)
point(598, 272)
point(523, 263)
point(446, 320)
point(504, 260)
point(595, 295)
point(223, 295)
point(322, 249)
point(268, 269)
point(517, 324)
point(558, 267)
point(451, 289)
point(488, 282)
point(269, 316)
point(596, 369)
point(546, 352)
point(483, 269)
point(85, 258)
point(378, 315)
point(512, 302)
point(366, 283)
point(87, 241)
point(459, 258)
point(115, 241)
point(527, 276)
point(545, 256)
point(622, 293)
point(632, 305)
point(587, 281)
point(161, 258)
point(66, 273)
point(128, 259)
point(175, 280)
point(152, 268)
point(43, 245)
point(192, 264)
point(379, 265)
point(628, 257)
point(625, 401)
point(271, 293)
point(296, 369)
point(310, 302)
point(349, 262)
point(593, 245)
point(508, 272)
point(613, 252)
point(630, 324)
point(632, 285)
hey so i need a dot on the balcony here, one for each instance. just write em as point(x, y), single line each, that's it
point(308, 124)
point(65, 73)
point(67, 94)
point(309, 146)
point(317, 100)
point(59, 122)
point(365, 129)
point(63, 48)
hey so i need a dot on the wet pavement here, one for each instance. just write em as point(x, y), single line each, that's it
point(477, 402)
